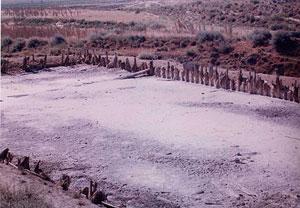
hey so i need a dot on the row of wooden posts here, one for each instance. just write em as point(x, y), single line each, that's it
point(211, 76)
point(86, 58)
point(190, 72)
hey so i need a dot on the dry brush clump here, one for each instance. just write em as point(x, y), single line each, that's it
point(210, 36)
point(260, 38)
point(35, 43)
point(287, 43)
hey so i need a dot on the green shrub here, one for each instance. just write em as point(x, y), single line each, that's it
point(191, 53)
point(19, 45)
point(58, 40)
point(97, 38)
point(209, 36)
point(6, 42)
point(225, 49)
point(260, 38)
point(35, 43)
point(285, 42)
point(137, 38)
point(279, 27)
point(149, 56)
point(184, 43)
point(254, 1)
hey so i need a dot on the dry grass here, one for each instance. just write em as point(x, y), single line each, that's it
point(21, 199)
point(87, 14)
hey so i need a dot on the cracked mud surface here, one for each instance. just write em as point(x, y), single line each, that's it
point(151, 143)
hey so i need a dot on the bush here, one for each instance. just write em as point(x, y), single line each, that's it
point(6, 41)
point(136, 39)
point(156, 26)
point(135, 26)
point(254, 1)
point(191, 53)
point(260, 38)
point(97, 38)
point(225, 49)
point(149, 56)
point(58, 40)
point(285, 43)
point(79, 44)
point(209, 37)
point(19, 45)
point(34, 43)
point(184, 43)
point(279, 27)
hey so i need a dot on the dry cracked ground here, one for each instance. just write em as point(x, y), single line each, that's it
point(155, 143)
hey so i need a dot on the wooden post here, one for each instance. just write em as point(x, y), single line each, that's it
point(232, 85)
point(127, 65)
point(201, 75)
point(206, 77)
point(106, 57)
point(187, 75)
point(196, 73)
point(182, 72)
point(134, 67)
point(168, 71)
point(172, 72)
point(62, 58)
point(163, 72)
point(296, 92)
point(152, 68)
point(177, 77)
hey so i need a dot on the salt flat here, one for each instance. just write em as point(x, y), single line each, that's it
point(155, 143)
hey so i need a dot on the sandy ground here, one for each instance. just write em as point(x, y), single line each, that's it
point(155, 143)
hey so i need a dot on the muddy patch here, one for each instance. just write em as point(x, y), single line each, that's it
point(18, 96)
point(279, 114)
